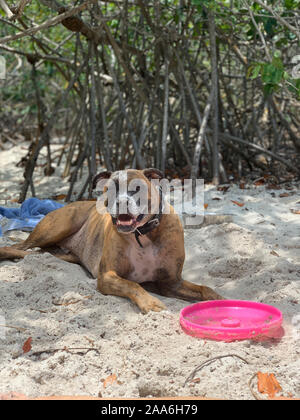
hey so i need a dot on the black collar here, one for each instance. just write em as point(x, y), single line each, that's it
point(152, 223)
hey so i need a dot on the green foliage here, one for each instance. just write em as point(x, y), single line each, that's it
point(232, 22)
point(291, 4)
point(201, 3)
point(273, 75)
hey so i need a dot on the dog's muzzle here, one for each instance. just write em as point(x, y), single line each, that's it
point(126, 223)
point(127, 215)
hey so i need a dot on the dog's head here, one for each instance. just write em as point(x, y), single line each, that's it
point(130, 196)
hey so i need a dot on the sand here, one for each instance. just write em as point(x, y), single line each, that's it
point(84, 343)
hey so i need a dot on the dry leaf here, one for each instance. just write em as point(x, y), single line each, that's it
point(259, 182)
point(109, 380)
point(284, 195)
point(295, 211)
point(59, 197)
point(224, 188)
point(27, 345)
point(205, 205)
point(274, 253)
point(273, 187)
point(267, 384)
point(238, 203)
point(92, 342)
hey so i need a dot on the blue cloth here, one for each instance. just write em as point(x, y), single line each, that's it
point(28, 215)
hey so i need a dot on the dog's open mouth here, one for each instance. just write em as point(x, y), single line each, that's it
point(127, 222)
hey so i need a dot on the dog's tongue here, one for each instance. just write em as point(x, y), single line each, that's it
point(125, 219)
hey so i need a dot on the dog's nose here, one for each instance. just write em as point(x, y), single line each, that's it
point(123, 204)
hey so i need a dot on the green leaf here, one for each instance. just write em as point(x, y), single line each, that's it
point(269, 25)
point(294, 87)
point(254, 70)
point(271, 74)
point(291, 4)
point(277, 62)
point(206, 3)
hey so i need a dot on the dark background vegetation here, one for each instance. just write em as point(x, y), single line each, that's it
point(196, 88)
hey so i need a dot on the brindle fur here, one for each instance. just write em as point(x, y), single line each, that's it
point(116, 259)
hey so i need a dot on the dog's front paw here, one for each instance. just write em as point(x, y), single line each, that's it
point(210, 294)
point(151, 304)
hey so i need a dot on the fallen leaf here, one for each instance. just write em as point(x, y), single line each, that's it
point(59, 197)
point(109, 380)
point(89, 340)
point(224, 188)
point(196, 380)
point(205, 205)
point(14, 200)
point(295, 211)
point(274, 253)
point(273, 187)
point(267, 384)
point(216, 198)
point(27, 345)
point(259, 181)
point(238, 203)
point(284, 195)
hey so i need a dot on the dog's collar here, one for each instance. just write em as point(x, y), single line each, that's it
point(152, 223)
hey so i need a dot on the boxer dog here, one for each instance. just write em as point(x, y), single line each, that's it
point(124, 251)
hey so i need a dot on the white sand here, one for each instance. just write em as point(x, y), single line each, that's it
point(58, 305)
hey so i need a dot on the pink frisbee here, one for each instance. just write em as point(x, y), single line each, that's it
point(230, 320)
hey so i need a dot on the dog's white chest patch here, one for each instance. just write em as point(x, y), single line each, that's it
point(143, 263)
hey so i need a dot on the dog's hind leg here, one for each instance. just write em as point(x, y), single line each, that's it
point(62, 255)
point(51, 230)
point(9, 253)
point(57, 226)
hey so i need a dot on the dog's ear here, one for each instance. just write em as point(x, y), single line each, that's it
point(101, 175)
point(153, 173)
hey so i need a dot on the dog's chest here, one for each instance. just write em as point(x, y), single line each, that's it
point(143, 263)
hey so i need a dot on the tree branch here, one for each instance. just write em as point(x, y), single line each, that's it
point(6, 9)
point(50, 22)
point(261, 149)
point(279, 18)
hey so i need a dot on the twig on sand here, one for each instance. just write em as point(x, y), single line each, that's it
point(208, 362)
point(11, 326)
point(42, 311)
point(67, 349)
point(251, 388)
